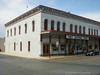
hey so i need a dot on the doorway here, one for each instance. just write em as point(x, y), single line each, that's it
point(46, 49)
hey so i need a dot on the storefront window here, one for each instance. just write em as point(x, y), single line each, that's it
point(54, 48)
point(62, 47)
point(90, 47)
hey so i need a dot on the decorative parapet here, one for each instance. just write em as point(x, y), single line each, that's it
point(53, 11)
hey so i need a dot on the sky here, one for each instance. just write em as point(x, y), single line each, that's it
point(10, 9)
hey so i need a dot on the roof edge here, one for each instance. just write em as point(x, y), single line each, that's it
point(25, 14)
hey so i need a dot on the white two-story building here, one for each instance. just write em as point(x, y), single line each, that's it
point(45, 31)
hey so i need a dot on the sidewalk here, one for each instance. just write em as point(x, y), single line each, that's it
point(41, 58)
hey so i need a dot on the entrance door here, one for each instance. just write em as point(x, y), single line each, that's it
point(46, 49)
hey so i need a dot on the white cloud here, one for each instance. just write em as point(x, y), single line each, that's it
point(9, 9)
point(92, 15)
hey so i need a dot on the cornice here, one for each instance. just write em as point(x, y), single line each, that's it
point(53, 11)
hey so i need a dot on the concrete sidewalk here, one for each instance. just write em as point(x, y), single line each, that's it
point(41, 58)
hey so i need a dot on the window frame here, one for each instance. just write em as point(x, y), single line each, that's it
point(20, 46)
point(14, 31)
point(71, 28)
point(7, 33)
point(28, 46)
point(64, 27)
point(10, 32)
point(19, 30)
point(89, 31)
point(33, 25)
point(46, 24)
point(75, 28)
point(52, 24)
point(58, 26)
point(84, 30)
point(80, 29)
point(26, 28)
point(14, 46)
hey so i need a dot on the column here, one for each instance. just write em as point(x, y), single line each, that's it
point(87, 45)
point(49, 45)
point(41, 37)
point(69, 46)
point(41, 44)
point(65, 45)
point(99, 44)
point(59, 44)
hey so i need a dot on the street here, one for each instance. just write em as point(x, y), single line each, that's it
point(83, 65)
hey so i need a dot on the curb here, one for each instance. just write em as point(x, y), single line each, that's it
point(41, 58)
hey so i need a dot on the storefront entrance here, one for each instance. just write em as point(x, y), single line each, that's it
point(46, 49)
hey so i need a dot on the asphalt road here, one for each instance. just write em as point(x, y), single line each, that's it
point(82, 65)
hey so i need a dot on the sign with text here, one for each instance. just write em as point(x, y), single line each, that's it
point(77, 37)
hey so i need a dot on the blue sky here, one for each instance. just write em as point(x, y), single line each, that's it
point(10, 9)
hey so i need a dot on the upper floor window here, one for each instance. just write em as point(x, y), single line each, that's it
point(75, 28)
point(94, 32)
point(64, 27)
point(71, 28)
point(20, 46)
point(25, 28)
point(83, 30)
point(45, 24)
point(80, 28)
point(97, 32)
point(89, 31)
point(52, 25)
point(10, 32)
point(29, 46)
point(14, 31)
point(58, 26)
point(33, 25)
point(14, 46)
point(7, 33)
point(19, 30)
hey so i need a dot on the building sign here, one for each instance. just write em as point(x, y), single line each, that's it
point(77, 37)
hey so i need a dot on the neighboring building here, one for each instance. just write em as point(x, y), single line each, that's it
point(47, 31)
point(2, 46)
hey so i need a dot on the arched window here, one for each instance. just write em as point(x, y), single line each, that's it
point(94, 31)
point(29, 46)
point(52, 25)
point(71, 28)
point(19, 30)
point(7, 33)
point(75, 28)
point(83, 30)
point(89, 31)
point(10, 32)
point(14, 31)
point(33, 25)
point(64, 26)
point(45, 24)
point(58, 26)
point(20, 46)
point(80, 29)
point(14, 46)
point(25, 28)
point(97, 32)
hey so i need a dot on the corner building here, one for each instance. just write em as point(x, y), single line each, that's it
point(45, 31)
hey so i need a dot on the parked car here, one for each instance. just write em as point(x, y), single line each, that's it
point(93, 52)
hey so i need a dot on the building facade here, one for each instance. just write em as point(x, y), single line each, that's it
point(45, 31)
point(2, 46)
